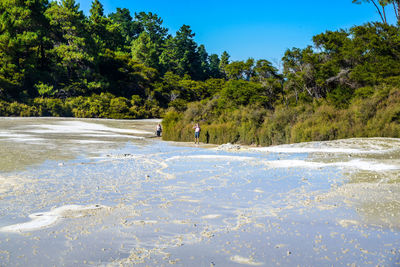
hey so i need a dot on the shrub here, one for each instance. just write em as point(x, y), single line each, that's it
point(51, 107)
point(119, 108)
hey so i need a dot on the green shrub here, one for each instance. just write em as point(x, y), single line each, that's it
point(119, 108)
point(51, 107)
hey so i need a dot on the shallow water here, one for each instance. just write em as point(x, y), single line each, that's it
point(105, 193)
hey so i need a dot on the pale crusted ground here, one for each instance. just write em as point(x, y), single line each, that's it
point(92, 193)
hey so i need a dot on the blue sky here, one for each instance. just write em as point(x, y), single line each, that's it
point(257, 29)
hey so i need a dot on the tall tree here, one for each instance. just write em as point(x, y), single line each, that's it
point(248, 71)
point(224, 62)
point(380, 6)
point(125, 76)
point(181, 55)
point(396, 8)
point(147, 48)
point(214, 66)
point(23, 43)
point(144, 50)
point(204, 61)
point(152, 24)
point(235, 70)
point(129, 29)
point(71, 57)
point(264, 70)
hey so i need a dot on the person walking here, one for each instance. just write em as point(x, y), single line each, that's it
point(158, 130)
point(197, 130)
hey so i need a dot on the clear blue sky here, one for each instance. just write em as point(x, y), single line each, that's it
point(258, 29)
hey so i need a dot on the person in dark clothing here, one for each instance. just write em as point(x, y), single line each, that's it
point(158, 130)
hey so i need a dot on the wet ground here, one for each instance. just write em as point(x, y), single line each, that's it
point(106, 193)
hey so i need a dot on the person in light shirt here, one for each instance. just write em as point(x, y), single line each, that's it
point(196, 133)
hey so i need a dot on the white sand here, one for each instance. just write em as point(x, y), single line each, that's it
point(294, 149)
point(233, 206)
point(80, 127)
point(217, 157)
point(43, 220)
point(245, 261)
point(353, 164)
point(343, 146)
point(11, 184)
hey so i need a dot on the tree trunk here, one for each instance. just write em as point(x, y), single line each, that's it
point(379, 11)
point(384, 13)
point(396, 5)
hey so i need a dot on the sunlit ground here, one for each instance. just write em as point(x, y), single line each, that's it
point(106, 193)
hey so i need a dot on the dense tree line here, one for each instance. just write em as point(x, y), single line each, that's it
point(52, 50)
point(347, 84)
point(55, 61)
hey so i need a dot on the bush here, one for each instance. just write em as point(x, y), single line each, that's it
point(51, 107)
point(373, 112)
point(17, 109)
point(119, 108)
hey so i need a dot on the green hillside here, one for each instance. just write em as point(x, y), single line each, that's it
point(56, 61)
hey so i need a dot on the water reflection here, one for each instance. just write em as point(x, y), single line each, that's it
point(30, 141)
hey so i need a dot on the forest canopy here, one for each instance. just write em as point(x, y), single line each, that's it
point(56, 61)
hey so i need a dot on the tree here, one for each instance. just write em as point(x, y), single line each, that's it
point(264, 70)
point(144, 50)
point(237, 93)
point(23, 44)
point(129, 29)
point(380, 6)
point(105, 33)
point(240, 70)
point(223, 62)
point(147, 48)
point(235, 70)
point(214, 66)
point(181, 54)
point(248, 69)
point(152, 24)
point(98, 25)
point(71, 57)
point(204, 62)
point(376, 3)
point(300, 67)
point(125, 76)
point(396, 8)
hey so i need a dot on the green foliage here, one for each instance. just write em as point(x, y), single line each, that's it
point(242, 93)
point(17, 109)
point(107, 105)
point(170, 123)
point(173, 88)
point(55, 61)
point(51, 107)
point(367, 115)
point(129, 29)
point(44, 89)
point(23, 38)
point(181, 55)
point(224, 62)
point(145, 51)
